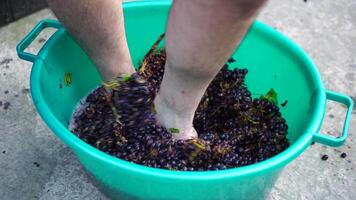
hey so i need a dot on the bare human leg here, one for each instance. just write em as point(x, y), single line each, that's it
point(200, 36)
point(98, 26)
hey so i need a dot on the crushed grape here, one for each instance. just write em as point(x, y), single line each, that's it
point(234, 128)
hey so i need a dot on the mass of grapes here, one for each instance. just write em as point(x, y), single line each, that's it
point(234, 129)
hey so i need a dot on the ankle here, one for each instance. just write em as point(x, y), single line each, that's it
point(171, 118)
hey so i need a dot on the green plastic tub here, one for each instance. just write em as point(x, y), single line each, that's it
point(62, 74)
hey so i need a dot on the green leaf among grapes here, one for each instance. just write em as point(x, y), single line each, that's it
point(126, 77)
point(174, 130)
point(271, 96)
point(153, 109)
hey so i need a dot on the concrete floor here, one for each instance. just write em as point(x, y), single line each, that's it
point(34, 164)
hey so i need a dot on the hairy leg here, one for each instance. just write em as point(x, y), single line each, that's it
point(98, 26)
point(200, 36)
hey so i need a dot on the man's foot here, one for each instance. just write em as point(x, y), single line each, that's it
point(180, 124)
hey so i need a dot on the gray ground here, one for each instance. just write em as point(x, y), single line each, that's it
point(34, 164)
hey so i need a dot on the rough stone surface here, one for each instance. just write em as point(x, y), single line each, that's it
point(34, 164)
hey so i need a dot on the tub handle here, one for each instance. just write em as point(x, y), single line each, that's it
point(330, 140)
point(28, 39)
